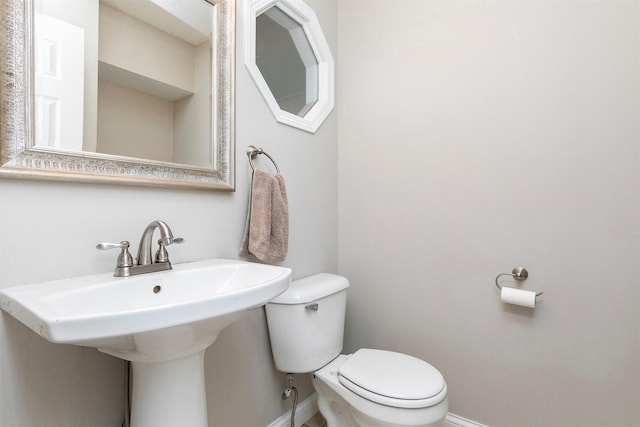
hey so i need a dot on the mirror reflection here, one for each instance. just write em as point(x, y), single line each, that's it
point(125, 78)
point(282, 40)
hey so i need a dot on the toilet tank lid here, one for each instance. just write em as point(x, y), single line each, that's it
point(312, 288)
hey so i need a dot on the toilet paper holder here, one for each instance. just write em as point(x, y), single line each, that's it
point(518, 273)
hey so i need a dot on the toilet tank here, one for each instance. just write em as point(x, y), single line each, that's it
point(306, 323)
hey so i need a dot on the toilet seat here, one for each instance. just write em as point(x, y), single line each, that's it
point(392, 379)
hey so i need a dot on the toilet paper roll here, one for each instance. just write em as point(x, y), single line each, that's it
point(518, 297)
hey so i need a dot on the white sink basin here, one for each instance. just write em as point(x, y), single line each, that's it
point(161, 321)
point(107, 312)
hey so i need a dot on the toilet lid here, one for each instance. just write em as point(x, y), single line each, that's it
point(393, 379)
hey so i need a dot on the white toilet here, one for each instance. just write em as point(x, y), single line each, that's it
point(367, 388)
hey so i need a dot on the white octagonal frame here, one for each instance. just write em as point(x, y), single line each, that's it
point(306, 17)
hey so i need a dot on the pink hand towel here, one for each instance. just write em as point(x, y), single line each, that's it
point(266, 233)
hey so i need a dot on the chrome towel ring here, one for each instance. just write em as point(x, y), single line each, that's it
point(252, 153)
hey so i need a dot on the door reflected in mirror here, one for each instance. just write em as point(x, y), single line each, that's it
point(125, 78)
point(286, 60)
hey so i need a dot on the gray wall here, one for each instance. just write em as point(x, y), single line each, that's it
point(474, 137)
point(49, 231)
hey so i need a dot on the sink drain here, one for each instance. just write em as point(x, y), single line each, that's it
point(156, 289)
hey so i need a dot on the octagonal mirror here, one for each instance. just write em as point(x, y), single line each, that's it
point(290, 62)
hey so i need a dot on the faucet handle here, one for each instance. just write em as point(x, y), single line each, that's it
point(124, 259)
point(104, 245)
point(162, 255)
point(170, 240)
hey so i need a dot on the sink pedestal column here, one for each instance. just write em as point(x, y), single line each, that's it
point(169, 393)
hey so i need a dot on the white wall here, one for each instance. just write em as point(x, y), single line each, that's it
point(134, 124)
point(49, 230)
point(192, 121)
point(480, 135)
point(144, 50)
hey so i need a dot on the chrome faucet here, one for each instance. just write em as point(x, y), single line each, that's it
point(145, 246)
point(144, 262)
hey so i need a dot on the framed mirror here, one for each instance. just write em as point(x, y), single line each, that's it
point(290, 62)
point(130, 92)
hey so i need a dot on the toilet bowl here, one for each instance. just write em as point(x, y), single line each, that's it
point(419, 399)
point(368, 388)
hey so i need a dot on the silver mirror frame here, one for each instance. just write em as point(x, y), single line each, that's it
point(18, 158)
point(306, 17)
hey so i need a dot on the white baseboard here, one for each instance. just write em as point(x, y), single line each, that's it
point(305, 410)
point(309, 407)
point(453, 420)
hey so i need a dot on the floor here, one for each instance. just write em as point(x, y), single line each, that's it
point(318, 421)
point(315, 421)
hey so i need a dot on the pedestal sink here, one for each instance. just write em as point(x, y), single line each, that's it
point(162, 322)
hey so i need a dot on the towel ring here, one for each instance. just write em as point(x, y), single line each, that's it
point(518, 273)
point(253, 151)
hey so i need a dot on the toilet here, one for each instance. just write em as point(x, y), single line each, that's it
point(368, 388)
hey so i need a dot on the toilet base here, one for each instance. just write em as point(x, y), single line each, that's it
point(343, 408)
